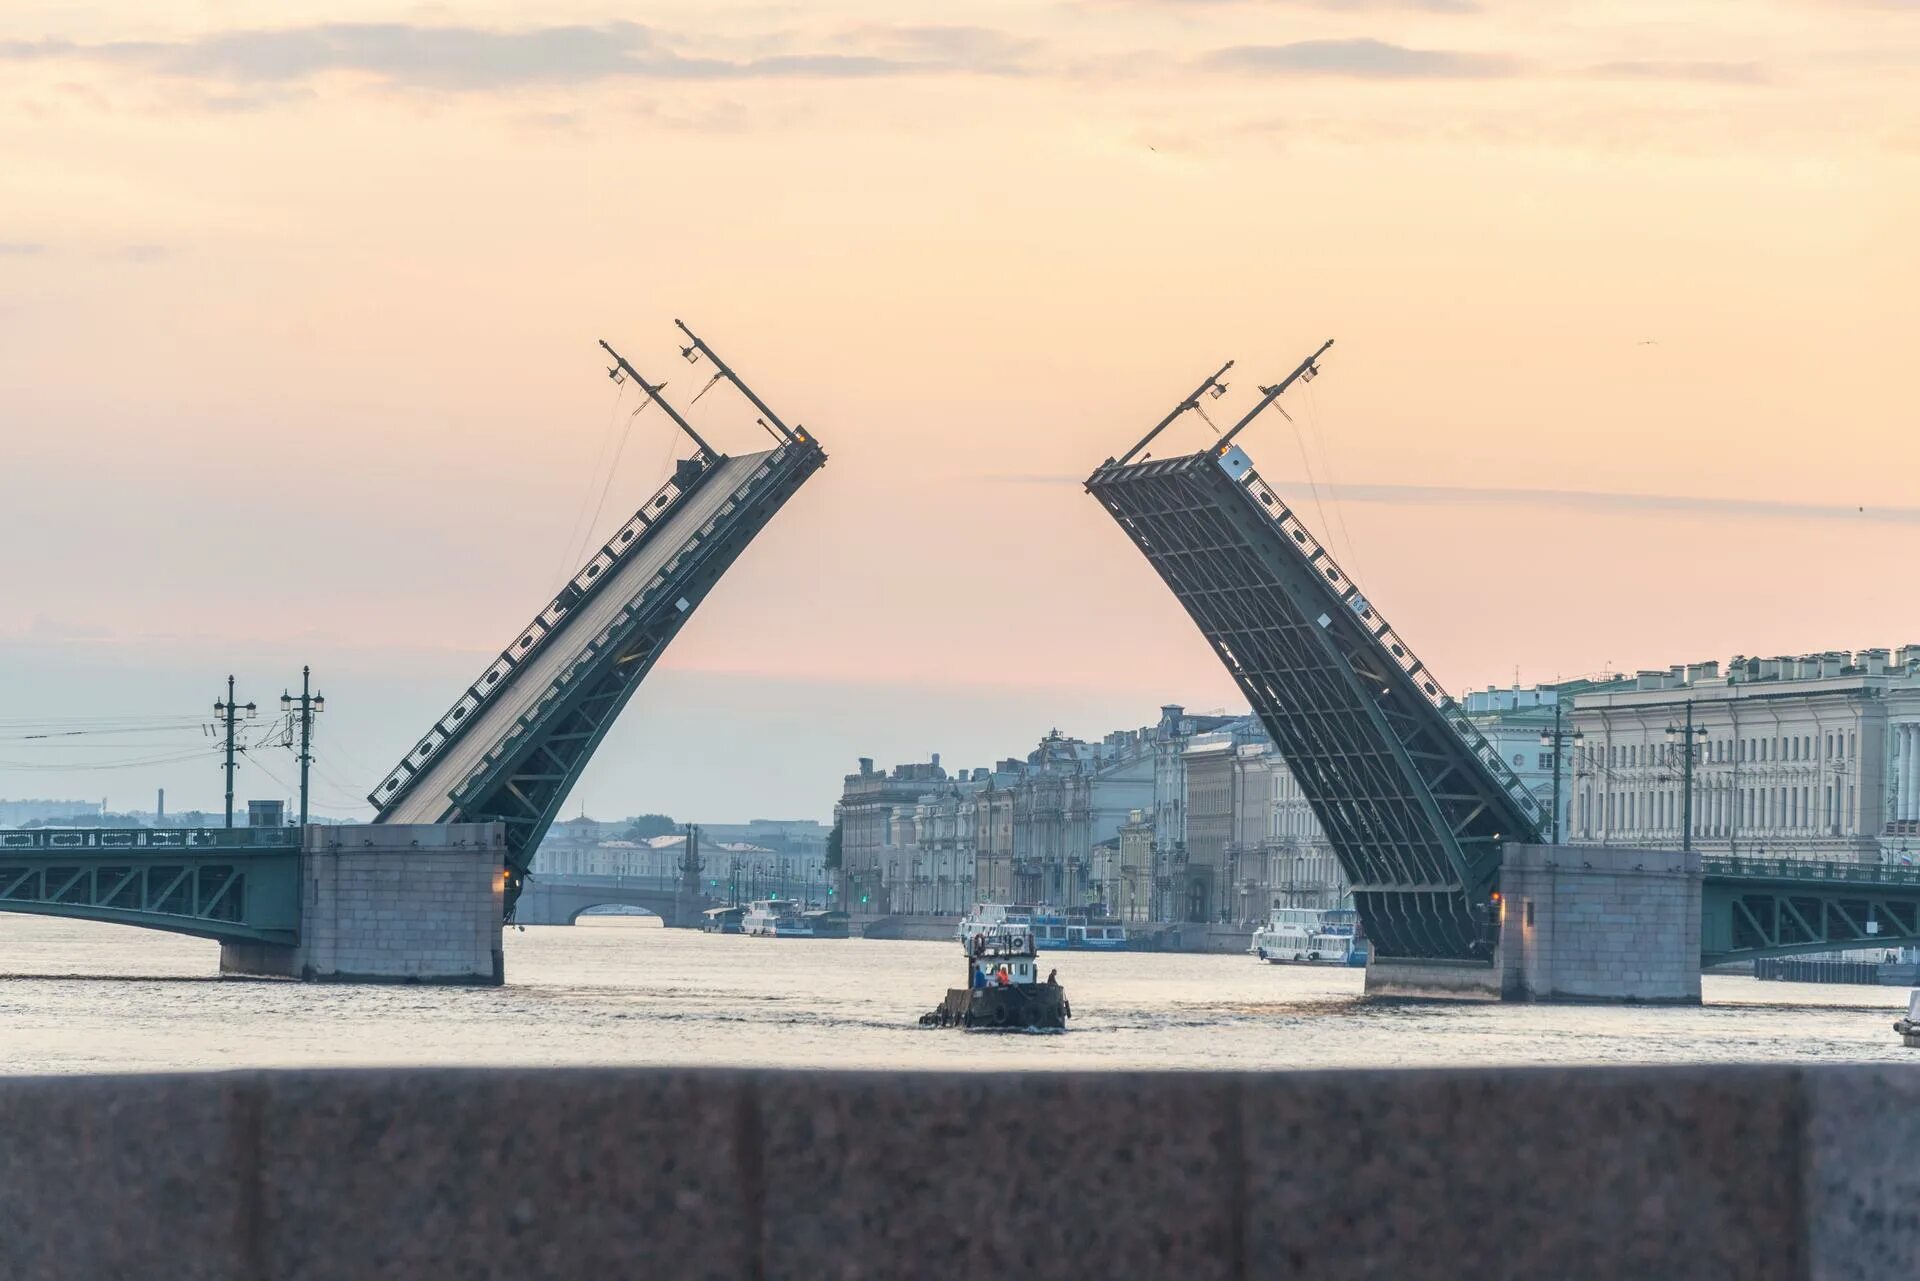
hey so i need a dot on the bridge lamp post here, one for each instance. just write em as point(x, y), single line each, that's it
point(1686, 739)
point(227, 710)
point(309, 703)
point(1557, 738)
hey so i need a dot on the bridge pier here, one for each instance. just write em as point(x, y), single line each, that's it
point(1577, 923)
point(391, 903)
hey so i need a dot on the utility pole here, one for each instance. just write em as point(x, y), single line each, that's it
point(1688, 739)
point(228, 711)
point(308, 703)
point(1556, 739)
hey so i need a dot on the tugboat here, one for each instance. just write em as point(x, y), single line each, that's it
point(1004, 989)
point(1909, 1027)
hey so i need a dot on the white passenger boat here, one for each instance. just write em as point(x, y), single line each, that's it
point(1052, 930)
point(776, 918)
point(1310, 936)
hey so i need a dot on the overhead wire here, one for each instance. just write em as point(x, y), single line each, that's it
point(1351, 553)
point(586, 535)
point(570, 563)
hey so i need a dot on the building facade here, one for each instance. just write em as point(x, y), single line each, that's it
point(1812, 756)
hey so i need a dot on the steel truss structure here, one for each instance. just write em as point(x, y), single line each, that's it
point(513, 745)
point(1787, 907)
point(1415, 803)
point(221, 883)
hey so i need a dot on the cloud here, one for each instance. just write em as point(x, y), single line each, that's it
point(978, 49)
point(1362, 59)
point(475, 59)
point(20, 249)
point(1357, 6)
point(1744, 73)
point(1336, 6)
point(1614, 501)
point(141, 253)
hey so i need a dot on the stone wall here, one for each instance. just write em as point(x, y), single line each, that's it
point(392, 903)
point(1759, 1174)
point(1580, 922)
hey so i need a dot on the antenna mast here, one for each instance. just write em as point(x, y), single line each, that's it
point(1306, 369)
point(652, 392)
point(727, 373)
point(1191, 402)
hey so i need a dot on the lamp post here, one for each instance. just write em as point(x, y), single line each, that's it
point(309, 703)
point(226, 709)
point(1557, 738)
point(1687, 739)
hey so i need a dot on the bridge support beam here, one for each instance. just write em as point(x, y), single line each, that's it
point(1577, 923)
point(392, 903)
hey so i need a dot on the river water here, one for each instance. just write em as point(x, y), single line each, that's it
point(82, 997)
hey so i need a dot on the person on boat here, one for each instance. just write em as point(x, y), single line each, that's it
point(1053, 978)
point(979, 978)
point(1003, 978)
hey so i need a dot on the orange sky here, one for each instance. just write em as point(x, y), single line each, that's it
point(298, 310)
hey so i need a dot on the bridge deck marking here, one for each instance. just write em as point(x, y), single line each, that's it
point(426, 799)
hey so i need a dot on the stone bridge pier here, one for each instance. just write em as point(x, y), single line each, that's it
point(1577, 923)
point(392, 903)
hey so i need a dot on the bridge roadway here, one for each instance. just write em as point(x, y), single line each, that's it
point(534, 669)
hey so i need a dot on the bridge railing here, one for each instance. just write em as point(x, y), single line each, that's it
point(1795, 869)
point(530, 641)
point(151, 838)
point(1392, 645)
point(581, 662)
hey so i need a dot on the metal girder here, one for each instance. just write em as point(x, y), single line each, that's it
point(1413, 800)
point(231, 884)
point(1785, 907)
point(519, 771)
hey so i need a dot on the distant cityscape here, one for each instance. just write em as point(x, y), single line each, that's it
point(1196, 818)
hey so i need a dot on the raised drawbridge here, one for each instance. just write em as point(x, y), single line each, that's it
point(1414, 800)
point(517, 738)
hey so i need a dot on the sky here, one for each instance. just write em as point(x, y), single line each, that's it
point(299, 307)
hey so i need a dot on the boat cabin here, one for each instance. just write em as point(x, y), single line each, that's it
point(1001, 956)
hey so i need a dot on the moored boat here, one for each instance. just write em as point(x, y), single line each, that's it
point(1004, 989)
point(776, 918)
point(1053, 931)
point(1310, 936)
point(1909, 1027)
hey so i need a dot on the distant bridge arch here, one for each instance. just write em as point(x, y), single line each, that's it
point(560, 900)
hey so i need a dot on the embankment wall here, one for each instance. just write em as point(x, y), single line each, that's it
point(1760, 1174)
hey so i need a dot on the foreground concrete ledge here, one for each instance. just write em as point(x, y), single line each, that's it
point(1754, 1173)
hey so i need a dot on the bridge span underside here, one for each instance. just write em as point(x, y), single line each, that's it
point(518, 738)
point(1414, 802)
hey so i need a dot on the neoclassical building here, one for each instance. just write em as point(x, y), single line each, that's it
point(1813, 756)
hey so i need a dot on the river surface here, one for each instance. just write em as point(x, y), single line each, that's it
point(82, 997)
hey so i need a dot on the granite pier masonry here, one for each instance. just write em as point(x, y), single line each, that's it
point(1741, 1173)
point(391, 903)
point(1577, 923)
